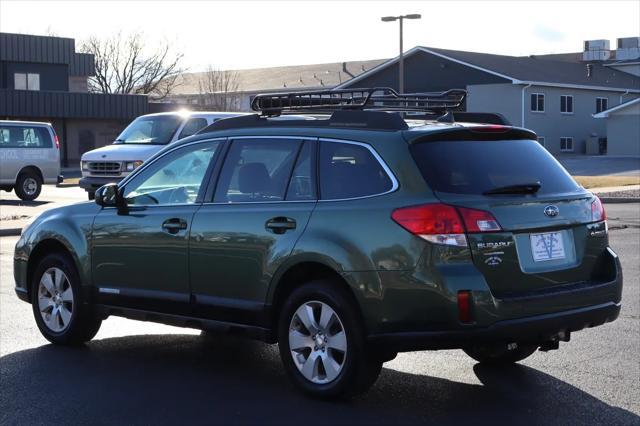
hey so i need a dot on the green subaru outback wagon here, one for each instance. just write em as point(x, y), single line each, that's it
point(345, 239)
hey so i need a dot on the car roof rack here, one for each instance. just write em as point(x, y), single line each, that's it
point(376, 98)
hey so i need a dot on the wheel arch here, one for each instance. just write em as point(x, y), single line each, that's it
point(298, 272)
point(28, 168)
point(42, 249)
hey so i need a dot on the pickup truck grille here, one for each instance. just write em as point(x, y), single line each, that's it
point(110, 168)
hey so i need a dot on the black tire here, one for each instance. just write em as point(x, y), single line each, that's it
point(360, 367)
point(91, 195)
point(83, 324)
point(25, 181)
point(499, 354)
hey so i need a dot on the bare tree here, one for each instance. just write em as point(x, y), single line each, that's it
point(218, 89)
point(124, 64)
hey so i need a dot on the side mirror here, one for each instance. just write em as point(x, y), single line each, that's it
point(109, 195)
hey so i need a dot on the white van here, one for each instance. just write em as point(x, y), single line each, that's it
point(142, 138)
point(29, 157)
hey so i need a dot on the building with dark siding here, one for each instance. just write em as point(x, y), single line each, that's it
point(45, 79)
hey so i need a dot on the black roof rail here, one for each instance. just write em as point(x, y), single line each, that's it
point(376, 98)
point(367, 120)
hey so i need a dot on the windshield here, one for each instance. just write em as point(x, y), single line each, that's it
point(485, 167)
point(154, 130)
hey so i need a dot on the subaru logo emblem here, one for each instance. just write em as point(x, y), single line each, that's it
point(551, 211)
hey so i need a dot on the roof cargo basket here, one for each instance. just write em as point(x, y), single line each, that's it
point(377, 98)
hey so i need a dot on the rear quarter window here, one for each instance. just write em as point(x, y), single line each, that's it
point(25, 137)
point(474, 167)
point(350, 171)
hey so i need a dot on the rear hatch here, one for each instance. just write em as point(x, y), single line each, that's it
point(550, 231)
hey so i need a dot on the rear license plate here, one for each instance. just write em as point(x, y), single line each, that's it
point(547, 246)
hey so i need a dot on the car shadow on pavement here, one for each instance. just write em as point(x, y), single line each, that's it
point(19, 203)
point(178, 379)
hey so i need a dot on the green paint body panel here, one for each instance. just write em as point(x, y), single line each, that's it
point(226, 262)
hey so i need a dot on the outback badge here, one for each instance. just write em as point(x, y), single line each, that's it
point(551, 211)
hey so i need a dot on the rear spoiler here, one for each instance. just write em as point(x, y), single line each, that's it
point(494, 132)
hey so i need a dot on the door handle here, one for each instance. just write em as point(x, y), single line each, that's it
point(280, 225)
point(175, 225)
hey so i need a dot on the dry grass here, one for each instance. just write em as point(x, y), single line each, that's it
point(70, 181)
point(606, 181)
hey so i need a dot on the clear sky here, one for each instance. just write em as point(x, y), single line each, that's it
point(245, 34)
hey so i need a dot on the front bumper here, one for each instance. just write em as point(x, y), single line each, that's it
point(536, 329)
point(91, 183)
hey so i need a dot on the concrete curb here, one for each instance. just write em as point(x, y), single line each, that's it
point(10, 232)
point(619, 200)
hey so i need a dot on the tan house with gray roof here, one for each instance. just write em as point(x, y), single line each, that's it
point(275, 79)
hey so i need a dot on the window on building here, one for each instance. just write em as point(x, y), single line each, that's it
point(566, 144)
point(566, 104)
point(537, 102)
point(601, 104)
point(541, 140)
point(26, 81)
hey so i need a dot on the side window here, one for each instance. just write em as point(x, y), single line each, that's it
point(173, 179)
point(350, 171)
point(25, 137)
point(302, 185)
point(257, 170)
point(192, 127)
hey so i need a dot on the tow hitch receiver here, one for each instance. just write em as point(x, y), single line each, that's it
point(554, 342)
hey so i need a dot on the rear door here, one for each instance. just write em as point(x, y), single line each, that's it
point(548, 236)
point(263, 200)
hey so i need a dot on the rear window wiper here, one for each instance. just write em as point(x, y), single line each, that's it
point(522, 188)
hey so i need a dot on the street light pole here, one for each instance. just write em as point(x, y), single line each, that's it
point(400, 18)
point(401, 61)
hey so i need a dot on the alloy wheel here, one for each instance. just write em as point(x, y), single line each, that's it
point(55, 299)
point(318, 342)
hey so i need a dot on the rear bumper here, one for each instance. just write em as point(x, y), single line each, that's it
point(536, 329)
point(91, 183)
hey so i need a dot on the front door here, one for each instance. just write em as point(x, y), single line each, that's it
point(140, 257)
point(262, 203)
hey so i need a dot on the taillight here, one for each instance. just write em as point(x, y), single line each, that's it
point(437, 223)
point(444, 224)
point(597, 211)
point(57, 141)
point(479, 220)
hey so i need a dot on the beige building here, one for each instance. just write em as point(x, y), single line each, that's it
point(623, 128)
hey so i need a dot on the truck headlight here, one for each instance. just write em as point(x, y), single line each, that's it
point(84, 165)
point(132, 165)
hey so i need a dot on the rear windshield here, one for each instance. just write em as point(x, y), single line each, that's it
point(473, 167)
point(154, 130)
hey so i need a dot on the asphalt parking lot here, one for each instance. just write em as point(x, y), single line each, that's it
point(143, 373)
